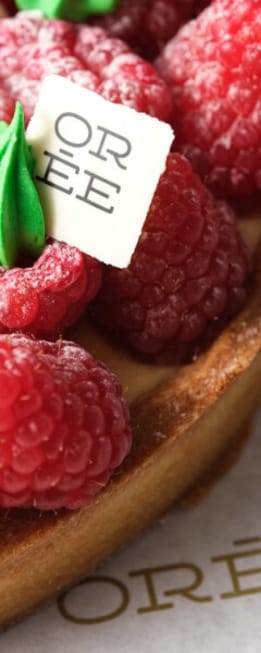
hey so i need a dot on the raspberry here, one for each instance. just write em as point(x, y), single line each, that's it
point(147, 24)
point(213, 68)
point(187, 276)
point(48, 297)
point(63, 427)
point(31, 48)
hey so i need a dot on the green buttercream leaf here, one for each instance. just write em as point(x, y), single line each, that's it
point(30, 215)
point(8, 221)
point(22, 224)
point(3, 126)
point(75, 10)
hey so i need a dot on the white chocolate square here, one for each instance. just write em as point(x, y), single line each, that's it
point(97, 168)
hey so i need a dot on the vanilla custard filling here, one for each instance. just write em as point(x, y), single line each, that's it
point(135, 377)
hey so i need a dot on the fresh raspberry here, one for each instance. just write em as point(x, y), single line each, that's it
point(213, 67)
point(50, 296)
point(63, 424)
point(31, 48)
point(187, 276)
point(147, 24)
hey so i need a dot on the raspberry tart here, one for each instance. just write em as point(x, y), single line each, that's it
point(182, 417)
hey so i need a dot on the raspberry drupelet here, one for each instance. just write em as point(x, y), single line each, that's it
point(63, 427)
point(213, 69)
point(187, 276)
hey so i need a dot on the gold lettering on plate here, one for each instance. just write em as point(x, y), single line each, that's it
point(184, 590)
point(124, 599)
point(235, 574)
point(187, 589)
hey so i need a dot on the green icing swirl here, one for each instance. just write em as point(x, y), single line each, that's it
point(75, 10)
point(22, 226)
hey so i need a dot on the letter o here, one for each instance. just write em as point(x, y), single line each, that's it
point(60, 124)
point(124, 598)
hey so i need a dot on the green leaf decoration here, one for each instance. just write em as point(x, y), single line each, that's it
point(9, 237)
point(75, 10)
point(22, 226)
